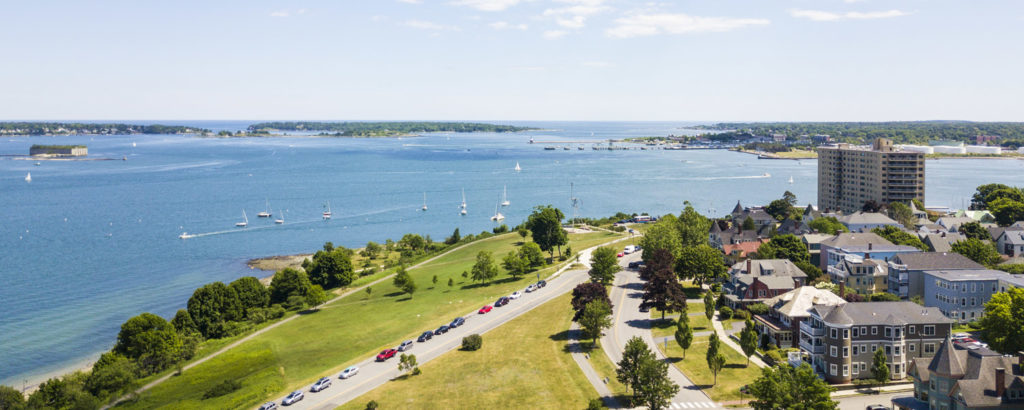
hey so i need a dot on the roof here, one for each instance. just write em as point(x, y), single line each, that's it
point(816, 237)
point(854, 239)
point(775, 282)
point(1013, 237)
point(975, 370)
point(738, 208)
point(935, 260)
point(976, 274)
point(941, 242)
point(797, 302)
point(995, 231)
point(758, 267)
point(946, 361)
point(744, 248)
point(878, 313)
point(867, 218)
point(792, 226)
point(953, 222)
point(849, 262)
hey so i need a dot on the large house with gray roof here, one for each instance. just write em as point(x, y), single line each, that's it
point(1011, 243)
point(956, 378)
point(753, 281)
point(841, 339)
point(906, 270)
point(866, 221)
point(781, 325)
point(864, 244)
point(962, 294)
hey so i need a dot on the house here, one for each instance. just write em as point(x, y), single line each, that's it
point(781, 325)
point(733, 235)
point(810, 214)
point(742, 249)
point(981, 216)
point(906, 270)
point(860, 275)
point(961, 294)
point(941, 242)
point(918, 213)
point(1011, 243)
point(866, 221)
point(952, 223)
point(793, 227)
point(956, 378)
point(813, 242)
point(864, 244)
point(757, 214)
point(754, 281)
point(841, 339)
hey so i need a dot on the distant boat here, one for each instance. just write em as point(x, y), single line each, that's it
point(517, 167)
point(280, 219)
point(791, 179)
point(462, 207)
point(497, 215)
point(185, 235)
point(28, 177)
point(767, 175)
point(133, 144)
point(504, 196)
point(245, 221)
point(327, 214)
point(38, 164)
point(266, 213)
point(424, 202)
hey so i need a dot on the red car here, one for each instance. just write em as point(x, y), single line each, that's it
point(485, 309)
point(621, 254)
point(386, 354)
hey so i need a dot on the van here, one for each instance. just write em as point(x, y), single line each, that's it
point(629, 249)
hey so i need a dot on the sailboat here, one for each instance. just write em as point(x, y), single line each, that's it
point(463, 206)
point(504, 196)
point(327, 213)
point(497, 215)
point(28, 177)
point(424, 201)
point(245, 221)
point(790, 179)
point(517, 167)
point(280, 219)
point(266, 213)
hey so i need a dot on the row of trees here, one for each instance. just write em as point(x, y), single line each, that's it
point(1006, 203)
point(914, 132)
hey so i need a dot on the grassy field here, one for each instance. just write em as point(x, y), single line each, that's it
point(733, 376)
point(324, 342)
point(523, 363)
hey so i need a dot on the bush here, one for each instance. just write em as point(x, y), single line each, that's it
point(500, 228)
point(275, 312)
point(472, 342)
point(741, 314)
point(295, 302)
point(772, 357)
point(222, 388)
point(372, 405)
point(596, 404)
point(724, 313)
point(416, 371)
point(619, 228)
point(758, 309)
point(716, 287)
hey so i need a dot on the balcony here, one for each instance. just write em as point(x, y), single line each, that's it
point(904, 291)
point(808, 347)
point(813, 331)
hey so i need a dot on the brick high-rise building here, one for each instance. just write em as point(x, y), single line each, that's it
point(849, 176)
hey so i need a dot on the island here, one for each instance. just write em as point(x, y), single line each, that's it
point(58, 151)
point(380, 129)
point(74, 128)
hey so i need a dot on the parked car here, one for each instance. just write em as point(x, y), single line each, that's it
point(386, 354)
point(349, 372)
point(425, 336)
point(515, 295)
point(621, 254)
point(441, 330)
point(502, 301)
point(644, 308)
point(629, 249)
point(406, 345)
point(293, 398)
point(635, 265)
point(321, 384)
point(877, 407)
point(457, 322)
point(531, 288)
point(268, 406)
point(485, 309)
point(960, 336)
point(542, 283)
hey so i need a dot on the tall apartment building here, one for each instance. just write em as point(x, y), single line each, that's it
point(849, 176)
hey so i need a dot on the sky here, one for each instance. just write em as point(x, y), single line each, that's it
point(586, 60)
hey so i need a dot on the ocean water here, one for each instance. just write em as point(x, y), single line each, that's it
point(88, 244)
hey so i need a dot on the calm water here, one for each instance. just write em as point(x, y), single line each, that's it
point(88, 244)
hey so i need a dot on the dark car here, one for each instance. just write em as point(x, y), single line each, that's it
point(635, 265)
point(441, 330)
point(425, 336)
point(457, 322)
point(502, 301)
point(542, 283)
point(645, 308)
point(877, 407)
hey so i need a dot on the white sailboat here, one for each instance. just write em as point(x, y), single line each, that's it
point(791, 180)
point(266, 213)
point(462, 207)
point(245, 221)
point(517, 167)
point(497, 215)
point(504, 196)
point(424, 201)
point(28, 177)
point(327, 214)
point(280, 219)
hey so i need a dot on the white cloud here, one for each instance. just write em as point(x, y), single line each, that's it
point(582, 10)
point(553, 34)
point(597, 64)
point(486, 5)
point(504, 25)
point(279, 13)
point(651, 24)
point(572, 22)
point(819, 15)
point(575, 15)
point(427, 25)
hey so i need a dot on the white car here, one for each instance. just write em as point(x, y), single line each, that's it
point(293, 398)
point(531, 288)
point(349, 372)
point(515, 295)
point(321, 384)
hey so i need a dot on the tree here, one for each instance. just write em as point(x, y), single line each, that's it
point(451, 282)
point(980, 198)
point(484, 269)
point(684, 333)
point(813, 272)
point(827, 225)
point(288, 282)
point(111, 374)
point(879, 369)
point(454, 239)
point(662, 235)
point(372, 250)
point(1001, 323)
point(10, 398)
point(714, 357)
point(633, 356)
point(788, 387)
point(709, 304)
point(472, 342)
point(974, 230)
point(902, 214)
point(585, 293)
point(662, 289)
point(404, 282)
point(748, 340)
point(1011, 193)
point(251, 293)
point(545, 224)
point(784, 247)
point(406, 362)
point(515, 264)
point(211, 306)
point(779, 209)
point(872, 206)
point(603, 265)
point(748, 224)
point(654, 389)
point(596, 317)
point(372, 405)
point(532, 253)
point(316, 296)
point(977, 251)
point(693, 227)
point(434, 280)
point(883, 297)
point(701, 263)
point(1007, 211)
point(150, 341)
point(899, 237)
point(183, 323)
point(523, 232)
point(330, 268)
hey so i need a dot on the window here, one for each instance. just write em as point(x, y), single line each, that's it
point(833, 332)
point(760, 293)
point(863, 348)
point(974, 301)
point(846, 333)
point(896, 350)
point(863, 366)
point(854, 332)
point(888, 332)
point(855, 368)
point(911, 347)
point(873, 348)
point(929, 347)
point(888, 350)
point(874, 330)
point(832, 369)
point(832, 351)
point(911, 329)
point(864, 330)
point(929, 330)
point(846, 370)
point(846, 351)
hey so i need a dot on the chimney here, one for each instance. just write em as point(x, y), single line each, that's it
point(1000, 381)
point(842, 289)
point(867, 256)
point(869, 246)
point(749, 272)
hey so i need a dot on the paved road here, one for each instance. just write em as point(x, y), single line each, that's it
point(373, 374)
point(862, 402)
point(628, 321)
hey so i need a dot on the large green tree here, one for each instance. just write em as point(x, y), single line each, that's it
point(662, 289)
point(693, 227)
point(288, 282)
point(899, 237)
point(251, 293)
point(974, 230)
point(515, 264)
point(330, 268)
point(827, 225)
point(585, 293)
point(748, 340)
point(879, 369)
point(1007, 211)
point(633, 356)
point(980, 198)
point(978, 251)
point(596, 317)
point(662, 235)
point(532, 253)
point(714, 356)
point(10, 398)
point(902, 214)
point(784, 247)
point(213, 305)
point(684, 333)
point(709, 304)
point(404, 282)
point(1001, 323)
point(484, 269)
point(654, 388)
point(603, 265)
point(150, 341)
point(111, 374)
point(786, 387)
point(545, 225)
point(701, 263)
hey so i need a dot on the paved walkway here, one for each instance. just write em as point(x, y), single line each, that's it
point(717, 324)
point(575, 336)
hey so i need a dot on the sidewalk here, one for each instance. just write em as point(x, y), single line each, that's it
point(728, 341)
point(588, 370)
point(892, 388)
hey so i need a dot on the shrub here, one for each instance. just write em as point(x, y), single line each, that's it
point(472, 342)
point(596, 404)
point(222, 388)
point(725, 313)
point(275, 312)
point(716, 287)
point(500, 229)
point(741, 314)
point(619, 228)
point(416, 371)
point(372, 405)
point(295, 302)
point(772, 357)
point(758, 309)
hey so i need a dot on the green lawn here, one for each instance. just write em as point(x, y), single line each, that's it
point(605, 368)
point(342, 333)
point(667, 327)
point(523, 364)
point(735, 374)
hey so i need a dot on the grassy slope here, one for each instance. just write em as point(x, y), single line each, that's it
point(296, 353)
point(733, 376)
point(524, 362)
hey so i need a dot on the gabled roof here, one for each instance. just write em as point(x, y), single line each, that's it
point(738, 209)
point(867, 218)
point(778, 267)
point(935, 260)
point(855, 239)
point(941, 242)
point(744, 248)
point(810, 211)
point(996, 231)
point(947, 362)
point(878, 313)
point(797, 302)
point(1013, 237)
point(953, 222)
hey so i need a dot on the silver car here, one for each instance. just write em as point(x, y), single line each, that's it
point(406, 345)
point(349, 372)
point(321, 384)
point(293, 398)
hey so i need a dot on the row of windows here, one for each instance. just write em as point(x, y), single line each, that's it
point(888, 331)
point(974, 286)
point(963, 301)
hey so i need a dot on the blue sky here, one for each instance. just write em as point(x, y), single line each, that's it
point(513, 60)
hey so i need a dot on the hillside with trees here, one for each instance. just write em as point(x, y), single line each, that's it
point(902, 132)
point(382, 129)
point(75, 128)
